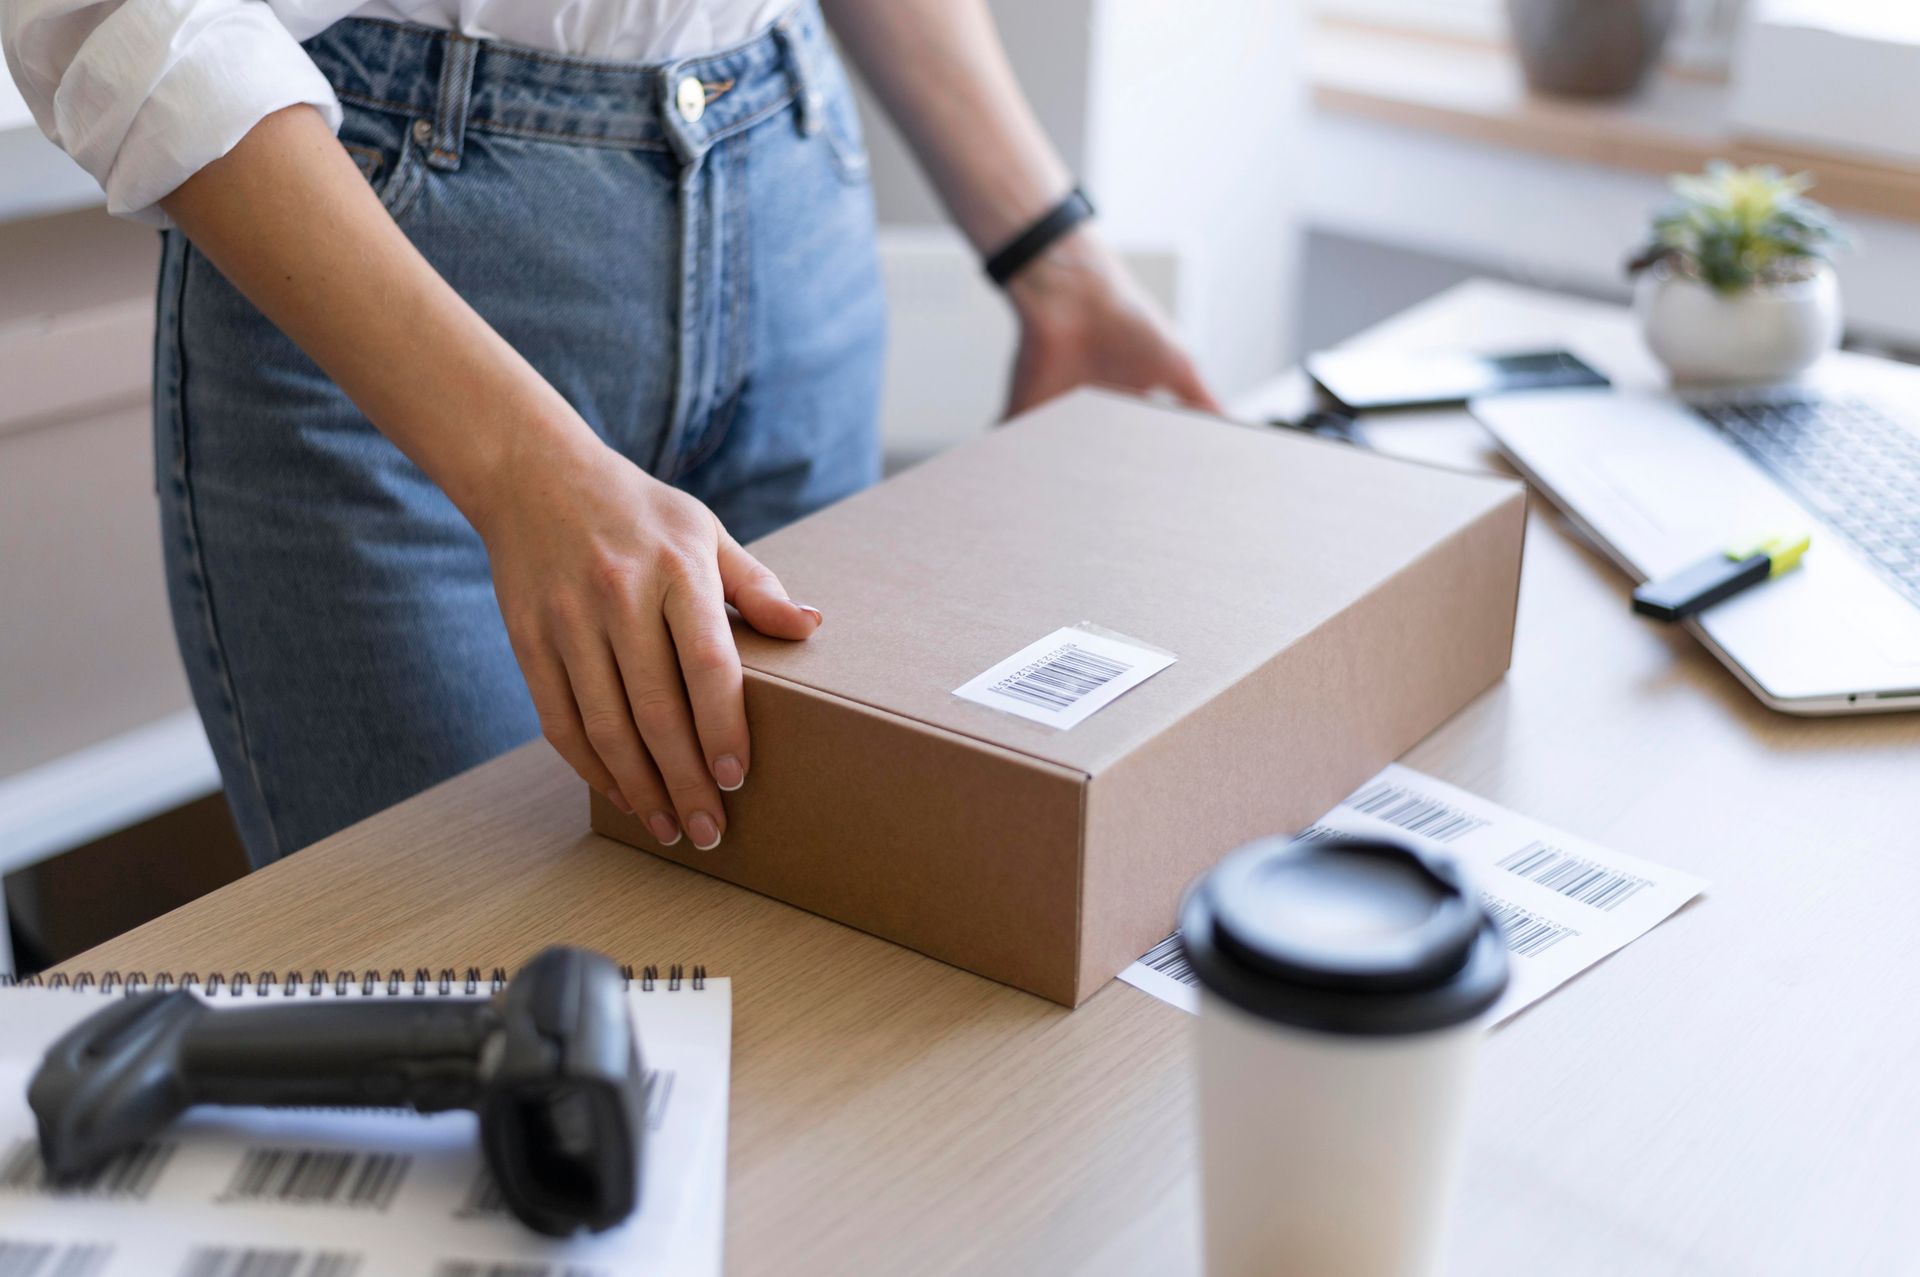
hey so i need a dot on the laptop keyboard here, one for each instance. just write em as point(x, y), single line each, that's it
point(1848, 462)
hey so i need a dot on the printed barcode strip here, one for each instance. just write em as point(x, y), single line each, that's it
point(1169, 958)
point(318, 1177)
point(1577, 879)
point(53, 1259)
point(483, 1200)
point(512, 1268)
point(1413, 812)
point(1527, 933)
point(1061, 678)
point(128, 1176)
point(253, 1261)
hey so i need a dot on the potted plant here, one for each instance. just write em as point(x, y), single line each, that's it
point(1736, 282)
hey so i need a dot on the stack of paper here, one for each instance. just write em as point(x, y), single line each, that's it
point(1563, 902)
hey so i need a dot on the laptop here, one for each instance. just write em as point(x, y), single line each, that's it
point(1660, 480)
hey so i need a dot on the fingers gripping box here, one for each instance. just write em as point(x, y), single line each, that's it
point(1071, 664)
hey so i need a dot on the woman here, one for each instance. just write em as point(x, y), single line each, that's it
point(492, 387)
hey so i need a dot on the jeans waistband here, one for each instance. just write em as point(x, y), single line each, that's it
point(458, 83)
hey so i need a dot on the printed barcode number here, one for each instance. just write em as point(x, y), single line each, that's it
point(1169, 958)
point(125, 1176)
point(253, 1261)
point(1061, 678)
point(512, 1268)
point(1413, 812)
point(1527, 933)
point(1577, 879)
point(53, 1259)
point(317, 1177)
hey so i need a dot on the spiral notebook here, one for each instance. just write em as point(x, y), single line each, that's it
point(334, 1193)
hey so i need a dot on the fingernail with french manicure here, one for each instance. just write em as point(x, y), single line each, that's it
point(813, 612)
point(619, 800)
point(664, 828)
point(728, 773)
point(703, 830)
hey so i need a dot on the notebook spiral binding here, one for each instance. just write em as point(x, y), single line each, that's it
point(421, 982)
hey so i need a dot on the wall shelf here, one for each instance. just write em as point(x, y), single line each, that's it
point(1473, 91)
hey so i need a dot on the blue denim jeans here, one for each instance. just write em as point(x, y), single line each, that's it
point(700, 284)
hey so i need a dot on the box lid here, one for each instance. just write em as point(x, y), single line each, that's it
point(1220, 543)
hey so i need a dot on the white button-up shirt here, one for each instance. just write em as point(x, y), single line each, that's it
point(144, 93)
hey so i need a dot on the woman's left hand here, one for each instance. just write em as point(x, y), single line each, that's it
point(1084, 321)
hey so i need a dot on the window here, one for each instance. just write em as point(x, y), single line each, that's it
point(1702, 29)
point(1484, 19)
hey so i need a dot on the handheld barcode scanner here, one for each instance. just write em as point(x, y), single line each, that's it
point(551, 1065)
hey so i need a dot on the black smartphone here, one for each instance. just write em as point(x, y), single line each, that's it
point(1365, 381)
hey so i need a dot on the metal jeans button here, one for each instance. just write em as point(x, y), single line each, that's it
point(691, 98)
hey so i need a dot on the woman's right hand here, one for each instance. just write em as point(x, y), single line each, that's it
point(614, 587)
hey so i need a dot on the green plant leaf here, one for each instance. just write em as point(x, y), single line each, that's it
point(1735, 226)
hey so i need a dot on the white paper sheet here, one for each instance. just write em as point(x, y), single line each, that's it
point(1061, 679)
point(324, 1193)
point(1563, 902)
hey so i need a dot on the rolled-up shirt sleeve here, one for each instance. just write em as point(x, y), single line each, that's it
point(145, 93)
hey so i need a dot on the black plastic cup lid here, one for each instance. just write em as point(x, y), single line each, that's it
point(1344, 935)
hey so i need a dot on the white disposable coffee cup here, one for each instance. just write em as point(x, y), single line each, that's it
point(1342, 986)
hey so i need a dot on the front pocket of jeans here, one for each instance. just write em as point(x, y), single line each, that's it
point(842, 132)
point(386, 150)
point(368, 160)
point(849, 158)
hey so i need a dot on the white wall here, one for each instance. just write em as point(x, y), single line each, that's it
point(1195, 141)
point(13, 108)
point(1049, 43)
point(86, 648)
point(1559, 222)
point(1184, 122)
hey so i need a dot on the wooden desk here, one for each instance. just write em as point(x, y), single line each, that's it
point(1732, 1094)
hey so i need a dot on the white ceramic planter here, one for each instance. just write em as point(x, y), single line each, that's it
point(1770, 333)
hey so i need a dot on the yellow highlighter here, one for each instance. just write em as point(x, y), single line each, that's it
point(1695, 588)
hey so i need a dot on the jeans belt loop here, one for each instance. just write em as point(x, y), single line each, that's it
point(810, 104)
point(458, 53)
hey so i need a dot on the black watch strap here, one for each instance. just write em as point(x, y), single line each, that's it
point(1039, 237)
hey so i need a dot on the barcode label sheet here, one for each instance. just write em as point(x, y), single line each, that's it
point(1561, 902)
point(336, 1193)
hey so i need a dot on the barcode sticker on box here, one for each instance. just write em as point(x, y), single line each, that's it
point(1064, 677)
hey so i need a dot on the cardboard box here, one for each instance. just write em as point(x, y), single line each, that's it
point(1326, 607)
